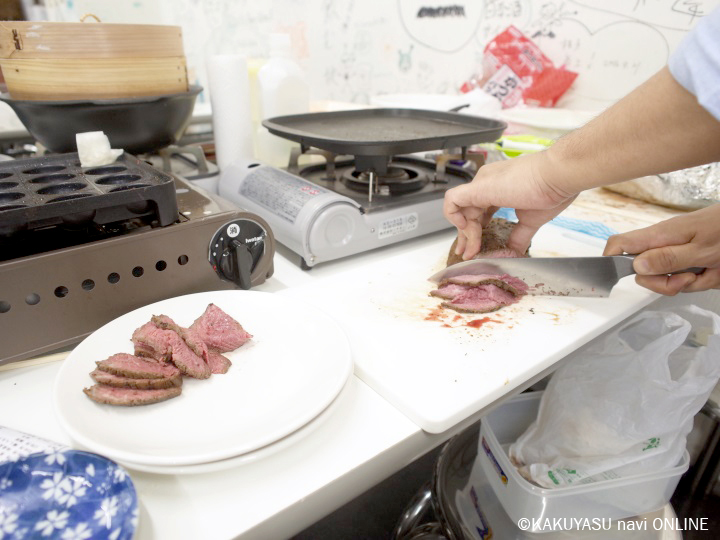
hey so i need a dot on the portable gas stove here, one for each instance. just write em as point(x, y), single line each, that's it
point(80, 247)
point(367, 191)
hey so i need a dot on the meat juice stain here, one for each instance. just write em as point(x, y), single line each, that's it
point(554, 316)
point(477, 323)
point(439, 314)
point(436, 314)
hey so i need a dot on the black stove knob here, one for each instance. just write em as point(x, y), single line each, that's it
point(235, 250)
point(236, 263)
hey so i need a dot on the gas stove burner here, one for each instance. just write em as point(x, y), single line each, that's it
point(409, 180)
point(396, 181)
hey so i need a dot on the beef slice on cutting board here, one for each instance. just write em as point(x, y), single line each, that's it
point(483, 294)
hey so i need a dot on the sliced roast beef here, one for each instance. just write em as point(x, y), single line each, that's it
point(480, 294)
point(511, 284)
point(185, 359)
point(112, 395)
point(168, 343)
point(483, 293)
point(105, 377)
point(164, 352)
point(219, 331)
point(127, 365)
point(144, 351)
point(151, 342)
point(494, 242)
point(218, 363)
point(190, 337)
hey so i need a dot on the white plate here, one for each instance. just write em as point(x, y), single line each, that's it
point(435, 102)
point(548, 118)
point(243, 459)
point(293, 368)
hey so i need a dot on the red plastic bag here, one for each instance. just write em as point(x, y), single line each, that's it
point(515, 70)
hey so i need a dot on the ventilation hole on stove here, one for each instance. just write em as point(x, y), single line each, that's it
point(131, 186)
point(4, 306)
point(45, 170)
point(88, 285)
point(118, 179)
point(113, 278)
point(183, 260)
point(69, 197)
point(5, 175)
point(138, 271)
point(106, 170)
point(7, 185)
point(32, 299)
point(61, 189)
point(12, 207)
point(50, 178)
point(160, 266)
point(12, 196)
point(61, 291)
point(253, 165)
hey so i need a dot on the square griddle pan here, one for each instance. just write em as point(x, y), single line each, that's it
point(385, 132)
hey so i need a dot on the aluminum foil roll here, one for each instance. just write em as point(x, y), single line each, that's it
point(686, 189)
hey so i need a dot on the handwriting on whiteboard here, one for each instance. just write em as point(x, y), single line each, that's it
point(353, 50)
point(445, 28)
point(671, 14)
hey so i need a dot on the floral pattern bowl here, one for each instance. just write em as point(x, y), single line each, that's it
point(66, 495)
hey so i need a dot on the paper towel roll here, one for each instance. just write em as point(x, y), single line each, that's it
point(230, 101)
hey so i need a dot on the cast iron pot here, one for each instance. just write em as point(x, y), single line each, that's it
point(137, 125)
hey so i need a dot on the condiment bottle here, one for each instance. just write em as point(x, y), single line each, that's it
point(283, 90)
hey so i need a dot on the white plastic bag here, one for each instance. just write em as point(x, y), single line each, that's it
point(624, 405)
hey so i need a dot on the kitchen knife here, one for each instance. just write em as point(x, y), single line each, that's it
point(554, 276)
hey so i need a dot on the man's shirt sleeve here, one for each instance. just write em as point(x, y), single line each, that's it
point(695, 64)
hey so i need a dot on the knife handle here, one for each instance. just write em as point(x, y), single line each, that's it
point(624, 265)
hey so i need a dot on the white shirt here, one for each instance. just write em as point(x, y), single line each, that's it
point(695, 64)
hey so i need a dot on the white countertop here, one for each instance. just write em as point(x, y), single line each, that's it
point(363, 440)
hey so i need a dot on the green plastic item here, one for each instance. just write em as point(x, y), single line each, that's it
point(517, 145)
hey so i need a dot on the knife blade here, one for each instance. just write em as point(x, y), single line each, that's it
point(554, 276)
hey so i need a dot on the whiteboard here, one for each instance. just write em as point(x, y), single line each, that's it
point(352, 50)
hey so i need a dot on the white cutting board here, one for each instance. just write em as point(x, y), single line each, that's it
point(432, 366)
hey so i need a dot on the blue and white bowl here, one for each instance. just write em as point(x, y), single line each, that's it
point(66, 495)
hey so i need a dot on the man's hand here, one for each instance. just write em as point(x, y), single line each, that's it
point(672, 245)
point(517, 183)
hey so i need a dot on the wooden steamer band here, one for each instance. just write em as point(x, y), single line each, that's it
point(65, 61)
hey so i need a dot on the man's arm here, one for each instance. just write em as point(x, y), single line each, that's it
point(659, 127)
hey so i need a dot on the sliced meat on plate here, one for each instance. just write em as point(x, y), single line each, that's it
point(112, 395)
point(218, 363)
point(160, 340)
point(190, 337)
point(219, 331)
point(127, 365)
point(104, 377)
point(150, 341)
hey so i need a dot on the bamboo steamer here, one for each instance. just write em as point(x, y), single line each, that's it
point(49, 61)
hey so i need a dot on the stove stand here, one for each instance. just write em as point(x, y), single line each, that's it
point(334, 208)
point(59, 285)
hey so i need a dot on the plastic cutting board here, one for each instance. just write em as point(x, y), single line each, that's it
point(429, 363)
